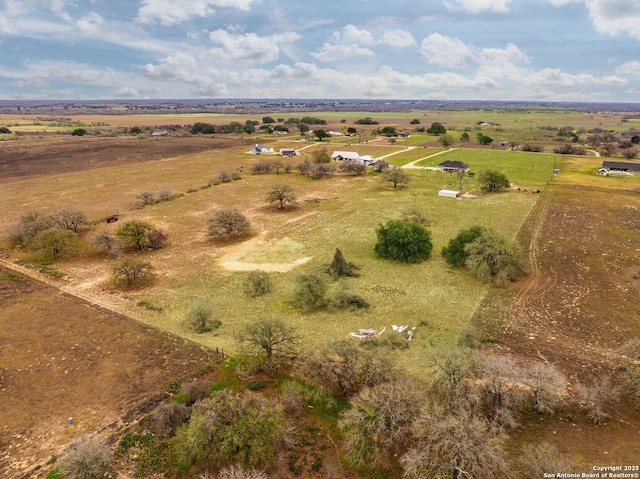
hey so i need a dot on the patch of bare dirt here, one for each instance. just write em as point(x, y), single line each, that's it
point(61, 357)
point(31, 157)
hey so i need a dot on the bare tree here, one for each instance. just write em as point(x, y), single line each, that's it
point(547, 386)
point(598, 398)
point(502, 392)
point(165, 193)
point(146, 197)
point(450, 371)
point(271, 337)
point(343, 367)
point(68, 219)
point(378, 425)
point(536, 460)
point(107, 242)
point(455, 446)
point(227, 224)
point(282, 196)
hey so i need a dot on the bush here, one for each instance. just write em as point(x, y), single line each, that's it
point(454, 253)
point(492, 180)
point(105, 241)
point(199, 314)
point(88, 457)
point(310, 292)
point(258, 283)
point(403, 241)
point(236, 472)
point(168, 417)
point(130, 273)
point(350, 301)
point(230, 429)
point(79, 132)
point(598, 399)
point(491, 258)
point(54, 243)
point(536, 460)
point(31, 223)
point(227, 224)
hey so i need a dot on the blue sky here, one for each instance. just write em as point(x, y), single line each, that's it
point(545, 50)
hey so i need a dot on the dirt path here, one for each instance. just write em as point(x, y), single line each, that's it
point(414, 163)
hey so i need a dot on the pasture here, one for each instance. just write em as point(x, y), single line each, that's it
point(340, 212)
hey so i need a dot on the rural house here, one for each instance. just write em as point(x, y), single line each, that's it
point(259, 148)
point(453, 166)
point(618, 168)
point(353, 156)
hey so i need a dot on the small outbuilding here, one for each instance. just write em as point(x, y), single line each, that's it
point(449, 193)
point(288, 152)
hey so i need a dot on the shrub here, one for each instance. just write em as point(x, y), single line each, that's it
point(79, 132)
point(454, 253)
point(230, 429)
point(31, 223)
point(199, 314)
point(340, 267)
point(258, 283)
point(88, 457)
point(227, 224)
point(54, 243)
point(168, 417)
point(310, 292)
point(598, 399)
point(165, 193)
point(105, 241)
point(131, 273)
point(536, 460)
point(403, 241)
point(350, 301)
point(491, 258)
point(236, 472)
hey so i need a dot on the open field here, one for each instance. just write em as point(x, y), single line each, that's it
point(61, 358)
point(576, 306)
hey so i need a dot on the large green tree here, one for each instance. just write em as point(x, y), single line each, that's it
point(403, 241)
point(454, 253)
point(492, 180)
point(491, 258)
point(437, 129)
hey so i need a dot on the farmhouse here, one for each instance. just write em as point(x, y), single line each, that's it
point(453, 166)
point(353, 156)
point(618, 167)
point(288, 152)
point(404, 134)
point(259, 148)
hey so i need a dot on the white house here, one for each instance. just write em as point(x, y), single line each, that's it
point(344, 155)
point(259, 148)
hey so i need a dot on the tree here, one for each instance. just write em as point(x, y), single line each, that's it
point(351, 130)
point(388, 131)
point(455, 446)
point(271, 337)
point(227, 428)
point(202, 128)
point(310, 292)
point(227, 224)
point(146, 197)
point(107, 242)
point(437, 129)
point(68, 219)
point(303, 128)
point(491, 258)
point(130, 273)
point(415, 121)
point(446, 140)
point(135, 130)
point(282, 196)
point(464, 136)
point(320, 156)
point(630, 153)
point(378, 425)
point(54, 243)
point(449, 372)
point(343, 367)
point(79, 132)
point(321, 134)
point(340, 268)
point(267, 119)
point(135, 233)
point(536, 460)
point(4, 130)
point(454, 253)
point(199, 314)
point(258, 284)
point(598, 399)
point(492, 180)
point(31, 223)
point(403, 241)
point(484, 139)
point(88, 457)
point(395, 176)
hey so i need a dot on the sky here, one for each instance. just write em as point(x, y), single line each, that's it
point(527, 50)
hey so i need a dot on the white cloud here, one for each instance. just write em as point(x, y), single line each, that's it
point(557, 78)
point(397, 38)
point(172, 66)
point(249, 46)
point(562, 3)
point(613, 17)
point(171, 12)
point(632, 67)
point(478, 6)
point(496, 62)
point(445, 51)
point(126, 92)
point(352, 34)
point(329, 52)
point(90, 24)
